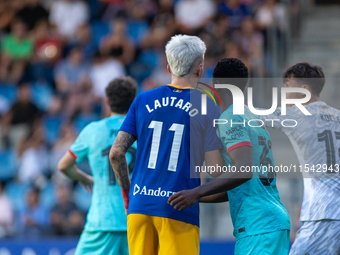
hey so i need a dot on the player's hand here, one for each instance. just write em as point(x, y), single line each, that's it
point(126, 210)
point(87, 183)
point(184, 199)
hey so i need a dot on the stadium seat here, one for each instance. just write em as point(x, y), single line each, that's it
point(81, 198)
point(83, 119)
point(16, 192)
point(149, 57)
point(8, 91)
point(95, 7)
point(52, 127)
point(136, 30)
point(8, 165)
point(48, 196)
point(99, 29)
point(42, 94)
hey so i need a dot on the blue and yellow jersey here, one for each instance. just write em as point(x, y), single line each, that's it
point(172, 137)
point(255, 205)
point(94, 142)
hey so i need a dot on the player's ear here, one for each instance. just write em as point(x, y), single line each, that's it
point(107, 101)
point(305, 86)
point(168, 68)
point(199, 70)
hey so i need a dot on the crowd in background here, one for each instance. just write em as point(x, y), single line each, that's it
point(57, 57)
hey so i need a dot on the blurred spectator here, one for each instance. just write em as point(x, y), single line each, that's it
point(251, 43)
point(48, 48)
point(65, 217)
point(141, 9)
point(73, 83)
point(71, 74)
point(68, 15)
point(6, 214)
point(22, 114)
point(233, 50)
point(4, 106)
point(16, 50)
point(159, 76)
point(161, 29)
point(271, 14)
point(235, 10)
point(33, 219)
point(222, 29)
point(55, 107)
point(7, 13)
point(48, 45)
point(118, 45)
point(83, 38)
point(61, 146)
point(104, 70)
point(193, 14)
point(31, 13)
point(272, 20)
point(33, 156)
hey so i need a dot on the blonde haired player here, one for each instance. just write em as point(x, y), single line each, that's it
point(173, 137)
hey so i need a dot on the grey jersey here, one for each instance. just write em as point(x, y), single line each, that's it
point(316, 141)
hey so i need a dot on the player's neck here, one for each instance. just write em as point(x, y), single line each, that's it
point(313, 99)
point(116, 114)
point(227, 101)
point(180, 81)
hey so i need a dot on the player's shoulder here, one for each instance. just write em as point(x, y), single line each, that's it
point(229, 114)
point(293, 112)
point(153, 91)
point(94, 125)
point(320, 107)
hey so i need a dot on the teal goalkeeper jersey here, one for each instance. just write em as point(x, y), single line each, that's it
point(255, 206)
point(107, 211)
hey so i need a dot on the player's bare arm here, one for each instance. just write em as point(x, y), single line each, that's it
point(118, 160)
point(241, 156)
point(213, 158)
point(216, 198)
point(67, 165)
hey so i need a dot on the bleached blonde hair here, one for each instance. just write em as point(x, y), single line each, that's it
point(182, 51)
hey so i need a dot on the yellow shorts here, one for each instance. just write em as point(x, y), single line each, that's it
point(152, 235)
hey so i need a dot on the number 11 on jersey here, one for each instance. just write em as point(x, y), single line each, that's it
point(155, 143)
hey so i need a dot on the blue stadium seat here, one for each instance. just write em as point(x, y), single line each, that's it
point(16, 192)
point(9, 92)
point(52, 126)
point(145, 64)
point(81, 198)
point(99, 29)
point(8, 164)
point(83, 119)
point(95, 7)
point(42, 94)
point(149, 57)
point(48, 195)
point(136, 30)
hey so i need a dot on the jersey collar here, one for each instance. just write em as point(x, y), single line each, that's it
point(317, 103)
point(179, 87)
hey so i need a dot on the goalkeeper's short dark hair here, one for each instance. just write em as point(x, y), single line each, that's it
point(232, 71)
point(120, 94)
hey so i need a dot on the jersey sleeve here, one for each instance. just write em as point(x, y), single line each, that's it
point(211, 139)
point(285, 123)
point(79, 149)
point(234, 133)
point(130, 125)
